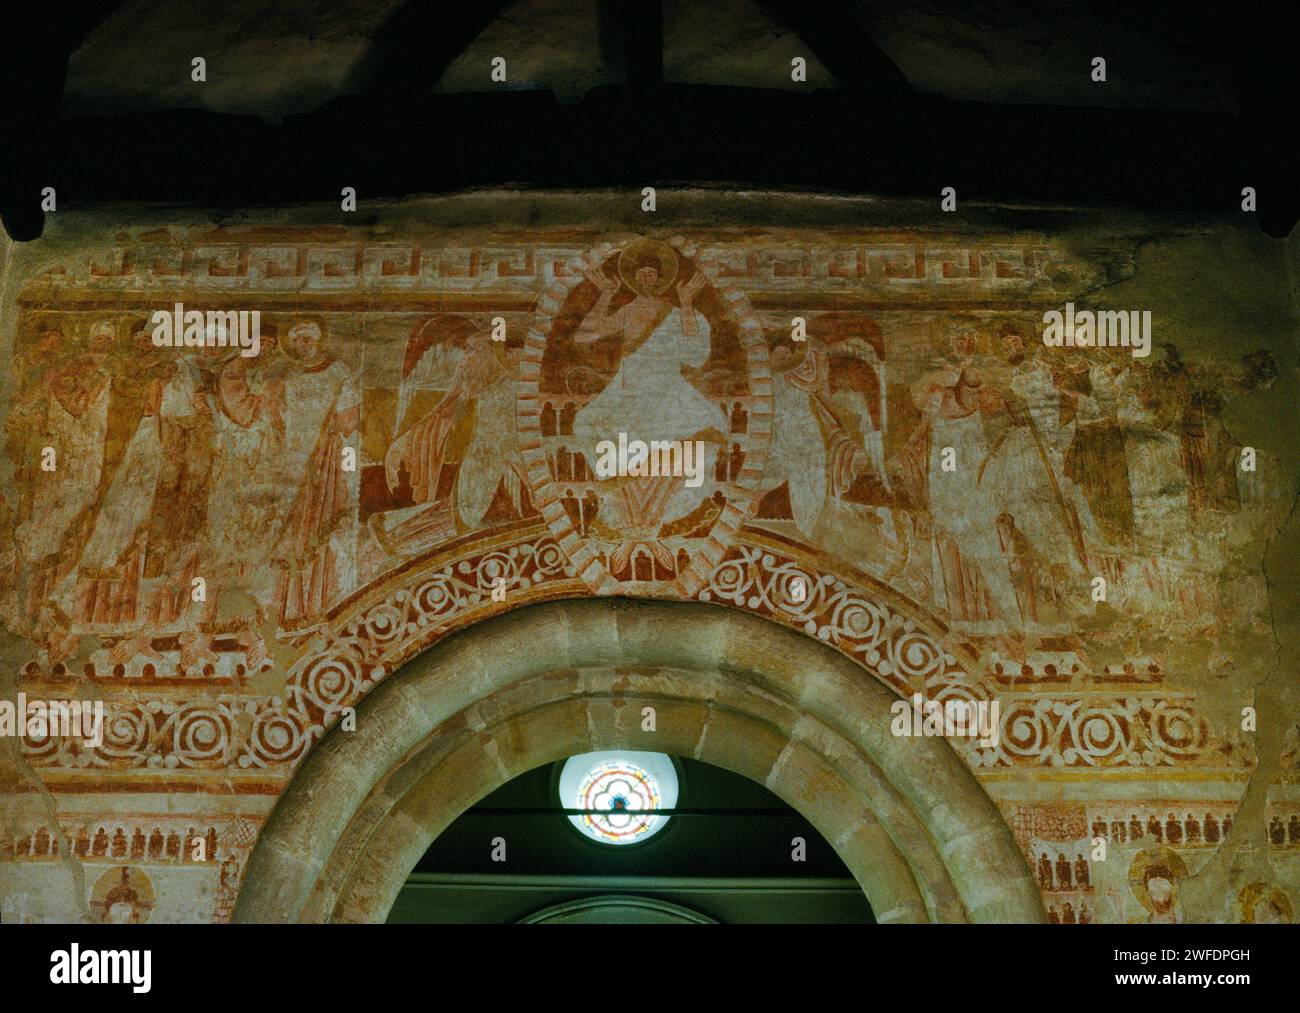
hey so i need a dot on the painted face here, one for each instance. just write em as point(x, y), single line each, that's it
point(1161, 890)
point(304, 342)
point(101, 336)
point(142, 343)
point(47, 346)
point(646, 278)
point(963, 346)
point(1013, 349)
point(121, 913)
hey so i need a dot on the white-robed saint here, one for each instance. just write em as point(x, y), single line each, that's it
point(105, 587)
point(67, 417)
point(1024, 471)
point(247, 500)
point(317, 547)
point(823, 442)
point(798, 453)
point(971, 578)
point(70, 416)
point(649, 398)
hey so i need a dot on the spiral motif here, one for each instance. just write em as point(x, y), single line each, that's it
point(437, 596)
point(1178, 731)
point(41, 746)
point(337, 676)
point(277, 736)
point(759, 581)
point(202, 735)
point(1023, 730)
point(330, 680)
point(916, 656)
point(127, 732)
point(799, 593)
point(549, 559)
point(857, 621)
point(493, 567)
point(384, 623)
point(730, 581)
point(1098, 734)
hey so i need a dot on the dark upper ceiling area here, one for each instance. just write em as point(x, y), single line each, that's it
point(269, 60)
point(394, 97)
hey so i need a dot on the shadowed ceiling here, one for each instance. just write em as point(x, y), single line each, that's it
point(291, 58)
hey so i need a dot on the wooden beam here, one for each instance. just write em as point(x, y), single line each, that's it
point(643, 43)
point(1171, 161)
point(835, 36)
point(421, 40)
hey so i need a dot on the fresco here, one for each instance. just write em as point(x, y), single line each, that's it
point(233, 548)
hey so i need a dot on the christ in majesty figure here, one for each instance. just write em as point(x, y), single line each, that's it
point(649, 397)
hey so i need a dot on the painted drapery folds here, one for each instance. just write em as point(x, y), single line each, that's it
point(230, 550)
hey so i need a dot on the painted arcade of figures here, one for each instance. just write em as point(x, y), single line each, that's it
point(140, 472)
point(232, 546)
point(175, 504)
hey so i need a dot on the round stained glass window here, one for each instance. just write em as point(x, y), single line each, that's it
point(619, 794)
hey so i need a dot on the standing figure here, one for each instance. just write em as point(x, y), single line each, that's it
point(972, 579)
point(317, 547)
point(59, 435)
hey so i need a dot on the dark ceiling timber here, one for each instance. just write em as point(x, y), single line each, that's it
point(874, 135)
point(832, 33)
point(643, 43)
point(421, 40)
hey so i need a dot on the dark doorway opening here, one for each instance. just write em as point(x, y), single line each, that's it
point(729, 853)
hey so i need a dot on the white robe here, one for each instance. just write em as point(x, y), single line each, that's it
point(245, 500)
point(311, 399)
point(649, 399)
point(965, 510)
point(60, 496)
point(798, 455)
point(129, 501)
point(1018, 479)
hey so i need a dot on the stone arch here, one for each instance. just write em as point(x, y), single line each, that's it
point(395, 619)
point(553, 679)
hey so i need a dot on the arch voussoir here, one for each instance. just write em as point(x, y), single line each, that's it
point(558, 678)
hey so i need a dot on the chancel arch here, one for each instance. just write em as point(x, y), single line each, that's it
point(555, 679)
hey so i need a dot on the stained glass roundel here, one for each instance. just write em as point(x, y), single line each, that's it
point(620, 793)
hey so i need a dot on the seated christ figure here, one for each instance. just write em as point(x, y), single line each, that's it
point(649, 397)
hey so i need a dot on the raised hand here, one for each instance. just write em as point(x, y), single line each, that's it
point(687, 290)
point(606, 284)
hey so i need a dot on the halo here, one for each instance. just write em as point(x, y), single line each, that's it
point(1145, 860)
point(795, 354)
point(282, 338)
point(645, 249)
point(122, 883)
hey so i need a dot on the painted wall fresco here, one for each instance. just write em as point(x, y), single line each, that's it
point(824, 503)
